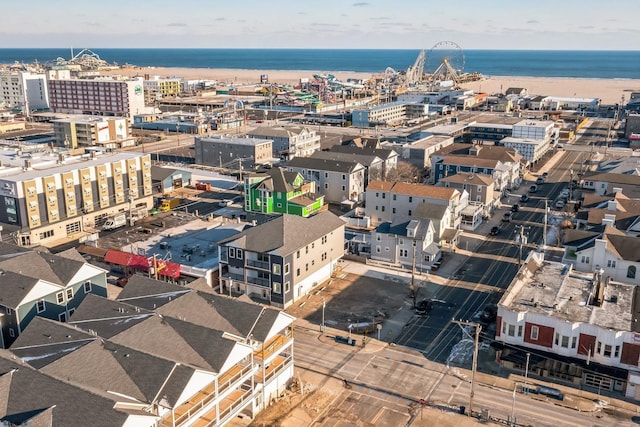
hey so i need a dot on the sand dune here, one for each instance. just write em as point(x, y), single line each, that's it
point(610, 91)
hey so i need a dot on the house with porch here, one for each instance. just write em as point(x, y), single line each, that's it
point(483, 199)
point(289, 142)
point(281, 191)
point(337, 180)
point(406, 244)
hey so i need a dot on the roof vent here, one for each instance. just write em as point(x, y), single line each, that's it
point(614, 299)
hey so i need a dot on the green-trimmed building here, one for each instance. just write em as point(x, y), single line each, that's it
point(280, 191)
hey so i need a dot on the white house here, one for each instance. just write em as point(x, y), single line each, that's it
point(408, 244)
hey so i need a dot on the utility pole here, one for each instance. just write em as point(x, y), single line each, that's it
point(413, 274)
point(544, 231)
point(474, 364)
point(521, 239)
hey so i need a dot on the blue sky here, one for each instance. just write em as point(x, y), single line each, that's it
point(389, 24)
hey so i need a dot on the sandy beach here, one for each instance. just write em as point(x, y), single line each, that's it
point(610, 91)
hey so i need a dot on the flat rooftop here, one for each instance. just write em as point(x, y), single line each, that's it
point(514, 140)
point(553, 289)
point(235, 140)
point(86, 119)
point(495, 119)
point(430, 141)
point(45, 163)
point(449, 129)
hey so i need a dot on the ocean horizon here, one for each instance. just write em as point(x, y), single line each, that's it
point(614, 64)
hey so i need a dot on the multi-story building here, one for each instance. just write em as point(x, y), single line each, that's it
point(213, 358)
point(164, 87)
point(607, 183)
point(50, 197)
point(234, 152)
point(41, 284)
point(419, 152)
point(483, 198)
point(387, 154)
point(280, 191)
point(585, 324)
point(407, 244)
point(383, 114)
point(98, 97)
point(336, 180)
point(24, 91)
point(282, 260)
point(394, 201)
point(373, 165)
point(491, 128)
point(532, 138)
point(82, 131)
point(289, 142)
point(500, 163)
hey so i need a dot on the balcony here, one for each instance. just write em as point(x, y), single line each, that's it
point(277, 365)
point(274, 345)
point(263, 265)
point(259, 281)
point(192, 407)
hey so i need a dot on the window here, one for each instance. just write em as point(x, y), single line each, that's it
point(276, 269)
point(393, 210)
point(617, 351)
point(573, 342)
point(344, 188)
point(297, 272)
point(585, 260)
point(87, 286)
point(504, 328)
point(12, 333)
point(534, 333)
point(326, 185)
point(287, 287)
point(60, 297)
point(277, 287)
point(384, 195)
point(519, 330)
point(232, 252)
point(607, 350)
point(344, 177)
point(382, 209)
point(9, 311)
point(298, 254)
point(286, 269)
point(410, 199)
point(239, 253)
point(377, 194)
point(40, 306)
point(409, 212)
point(512, 330)
point(599, 347)
point(394, 197)
point(306, 267)
point(631, 272)
point(404, 253)
point(565, 342)
point(69, 294)
point(611, 263)
point(306, 249)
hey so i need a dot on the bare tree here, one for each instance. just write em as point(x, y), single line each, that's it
point(404, 172)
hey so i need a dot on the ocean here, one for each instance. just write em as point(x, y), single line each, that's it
point(533, 63)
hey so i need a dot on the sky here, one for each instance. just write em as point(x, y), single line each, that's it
point(372, 24)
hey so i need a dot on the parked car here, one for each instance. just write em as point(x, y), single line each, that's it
point(224, 203)
point(524, 198)
point(423, 307)
point(564, 194)
point(515, 207)
point(545, 175)
point(506, 217)
point(489, 314)
point(540, 180)
point(495, 231)
point(533, 189)
point(560, 204)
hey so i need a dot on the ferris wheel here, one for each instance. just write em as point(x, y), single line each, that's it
point(445, 61)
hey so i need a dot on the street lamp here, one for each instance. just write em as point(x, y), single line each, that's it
point(526, 374)
point(324, 304)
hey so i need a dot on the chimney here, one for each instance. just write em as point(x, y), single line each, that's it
point(612, 205)
point(608, 219)
point(617, 190)
point(599, 286)
point(27, 165)
point(61, 158)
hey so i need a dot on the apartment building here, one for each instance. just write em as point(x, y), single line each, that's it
point(282, 260)
point(406, 244)
point(336, 180)
point(393, 201)
point(483, 198)
point(383, 114)
point(97, 97)
point(233, 152)
point(532, 138)
point(387, 154)
point(91, 131)
point(46, 197)
point(583, 323)
point(24, 91)
point(289, 142)
point(164, 87)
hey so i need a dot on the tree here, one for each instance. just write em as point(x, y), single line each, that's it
point(404, 172)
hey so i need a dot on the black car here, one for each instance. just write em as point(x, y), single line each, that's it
point(506, 217)
point(495, 231)
point(524, 198)
point(489, 314)
point(515, 208)
point(423, 307)
point(540, 180)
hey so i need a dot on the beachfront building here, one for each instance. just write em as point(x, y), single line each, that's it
point(380, 115)
point(100, 132)
point(97, 97)
point(23, 91)
point(169, 87)
point(281, 191)
point(289, 142)
point(282, 260)
point(338, 181)
point(233, 152)
point(564, 103)
point(579, 327)
point(52, 196)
